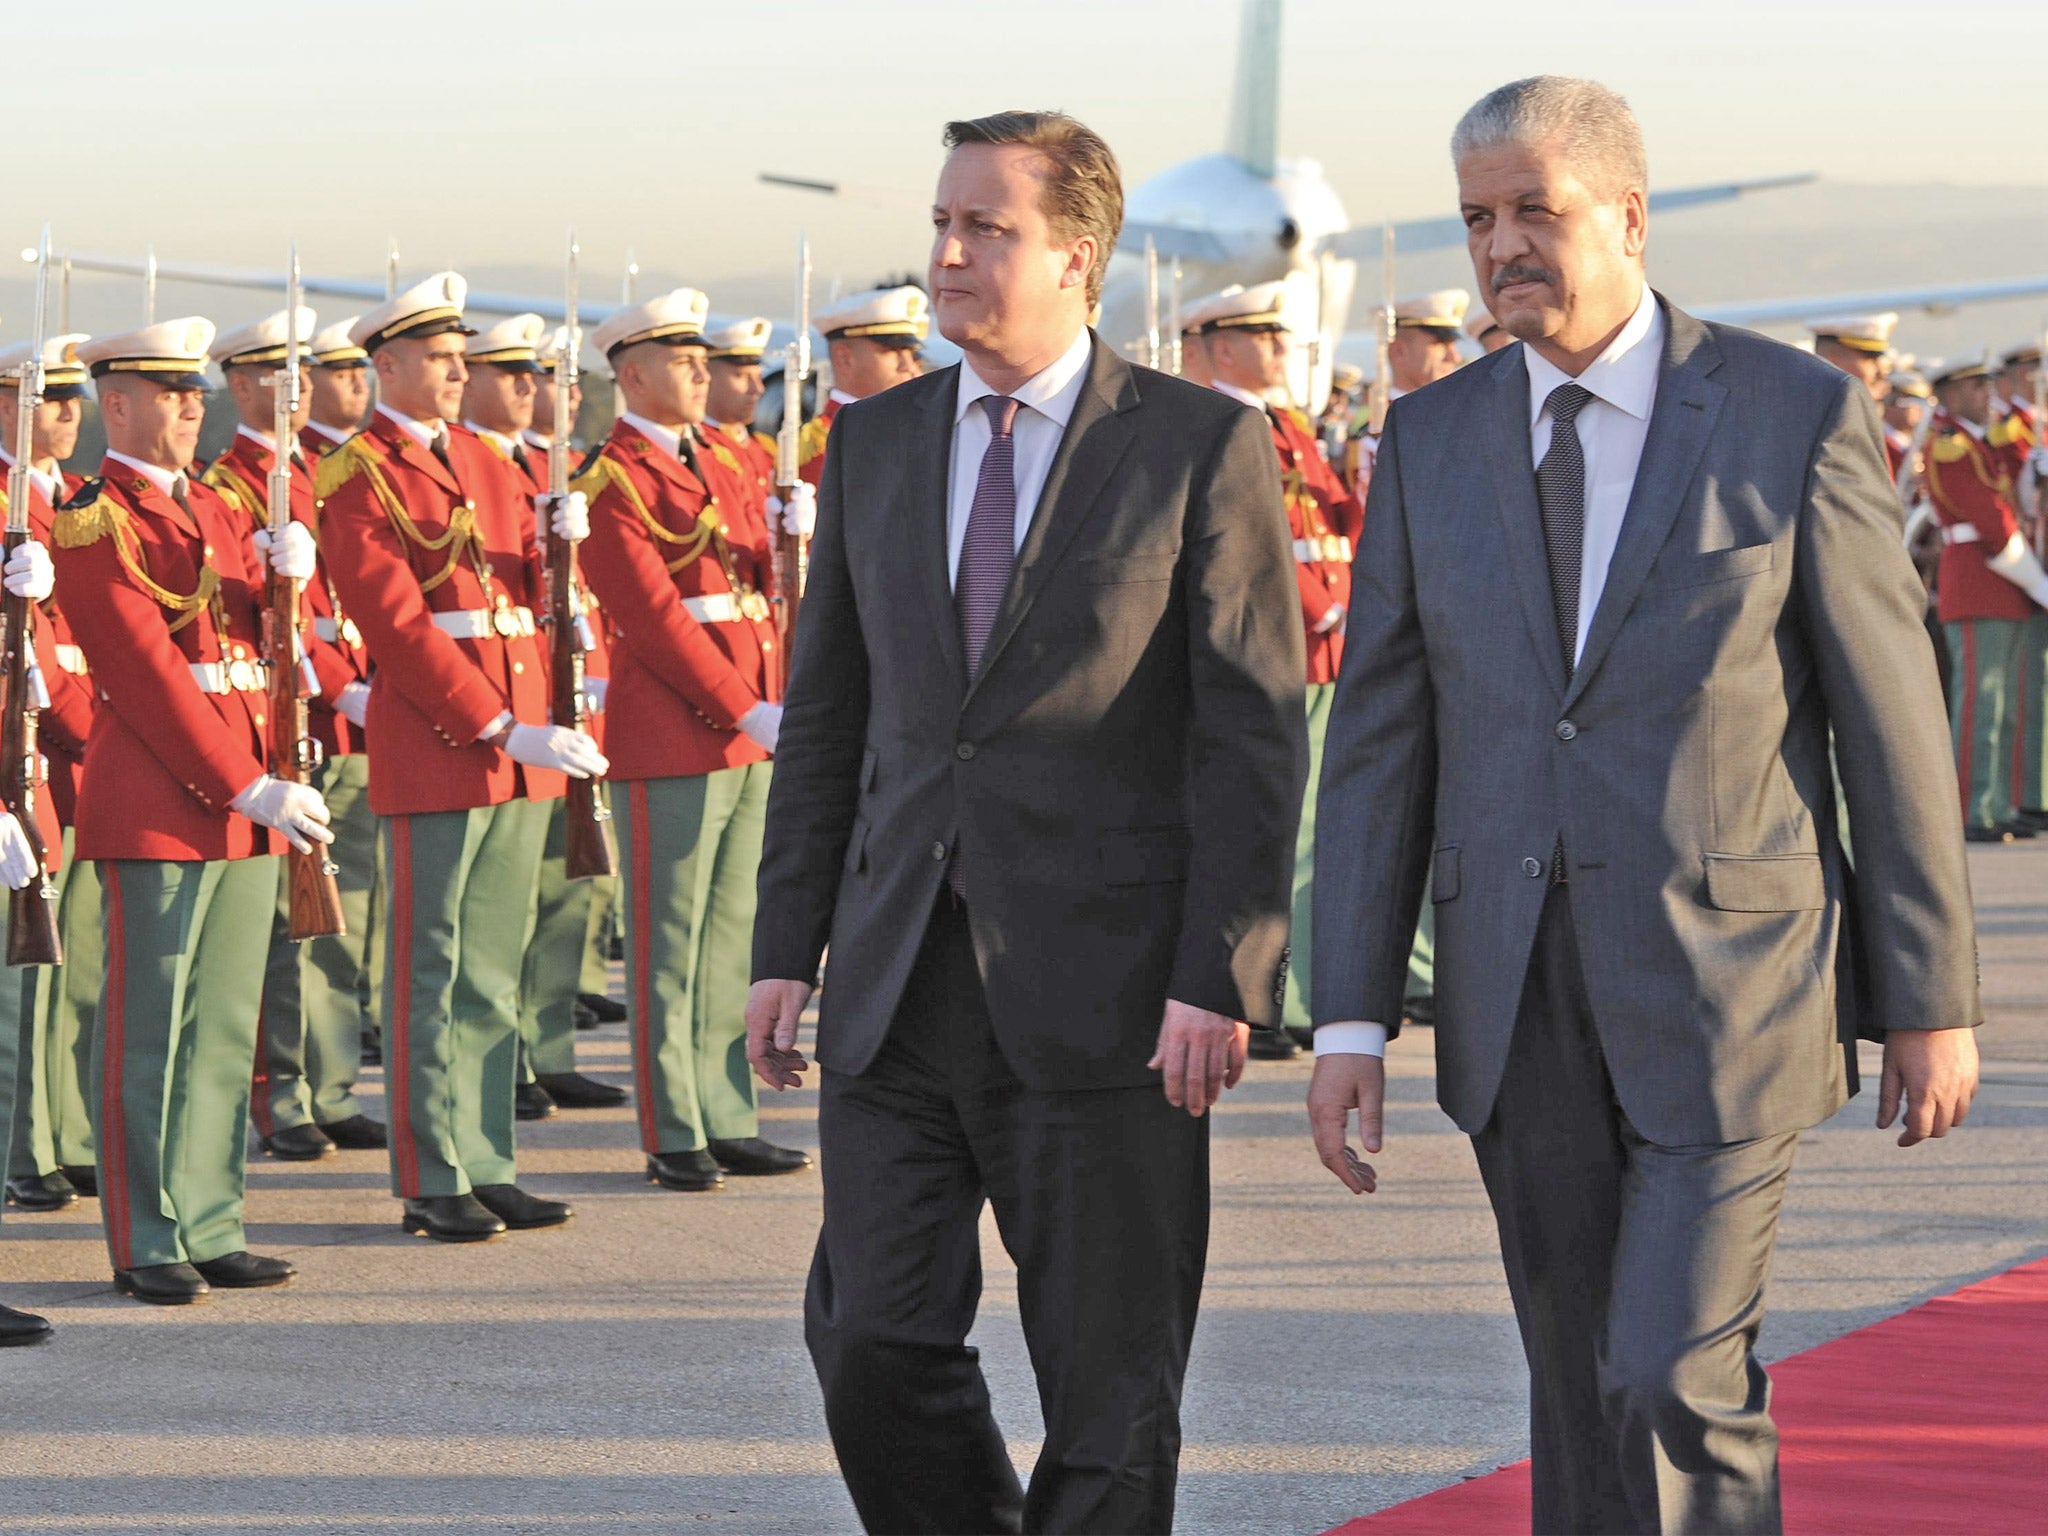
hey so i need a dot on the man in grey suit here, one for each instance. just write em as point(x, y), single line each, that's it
point(1040, 767)
point(1617, 587)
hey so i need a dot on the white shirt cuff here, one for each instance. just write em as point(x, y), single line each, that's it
point(1351, 1039)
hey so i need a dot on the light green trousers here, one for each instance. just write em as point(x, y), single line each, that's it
point(52, 1122)
point(557, 959)
point(1982, 715)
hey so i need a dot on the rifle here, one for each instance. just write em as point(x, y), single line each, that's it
point(1173, 347)
point(789, 548)
point(32, 910)
point(1151, 304)
point(294, 751)
point(1377, 398)
point(588, 848)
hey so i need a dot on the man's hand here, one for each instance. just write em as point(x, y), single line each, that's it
point(1340, 1085)
point(296, 810)
point(1935, 1070)
point(559, 748)
point(1200, 1054)
point(774, 1008)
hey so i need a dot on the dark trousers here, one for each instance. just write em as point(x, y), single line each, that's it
point(1638, 1275)
point(1102, 1199)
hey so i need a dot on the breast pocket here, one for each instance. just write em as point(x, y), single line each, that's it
point(1715, 566)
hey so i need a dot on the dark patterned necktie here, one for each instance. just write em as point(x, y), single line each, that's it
point(990, 548)
point(1561, 487)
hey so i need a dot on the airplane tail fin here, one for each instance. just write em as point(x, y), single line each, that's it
point(1255, 100)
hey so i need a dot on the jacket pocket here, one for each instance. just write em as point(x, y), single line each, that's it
point(1716, 565)
point(1144, 856)
point(1443, 875)
point(1783, 882)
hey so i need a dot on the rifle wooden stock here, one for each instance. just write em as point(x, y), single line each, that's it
point(32, 910)
point(294, 754)
point(589, 848)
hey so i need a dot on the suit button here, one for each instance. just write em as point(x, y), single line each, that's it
point(939, 852)
point(1533, 868)
point(518, 666)
point(1566, 730)
point(965, 751)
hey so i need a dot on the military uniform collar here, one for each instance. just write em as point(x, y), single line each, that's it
point(163, 479)
point(417, 430)
point(668, 439)
point(48, 484)
point(332, 434)
point(1243, 396)
point(498, 440)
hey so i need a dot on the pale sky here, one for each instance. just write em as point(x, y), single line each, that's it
point(475, 132)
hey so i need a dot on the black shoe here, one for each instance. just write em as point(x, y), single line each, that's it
point(530, 1101)
point(1302, 1035)
point(615, 947)
point(2032, 816)
point(2021, 830)
point(452, 1219)
point(608, 1010)
point(1271, 1045)
point(17, 1328)
point(572, 1090)
point(753, 1156)
point(163, 1285)
point(358, 1133)
point(373, 1052)
point(84, 1177)
point(42, 1192)
point(1998, 834)
point(691, 1172)
point(519, 1210)
point(245, 1271)
point(583, 1019)
point(298, 1144)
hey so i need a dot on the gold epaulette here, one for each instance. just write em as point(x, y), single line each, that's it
point(87, 517)
point(810, 442)
point(80, 522)
point(1950, 447)
point(336, 469)
point(2009, 432)
point(237, 492)
point(594, 474)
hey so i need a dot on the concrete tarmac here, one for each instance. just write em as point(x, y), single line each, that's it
point(643, 1369)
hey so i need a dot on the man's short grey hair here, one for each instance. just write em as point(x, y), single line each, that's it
point(1602, 141)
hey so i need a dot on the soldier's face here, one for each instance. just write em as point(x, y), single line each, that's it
point(422, 376)
point(1903, 412)
point(735, 390)
point(999, 280)
point(1968, 398)
point(1254, 360)
point(863, 366)
point(499, 398)
point(665, 384)
point(256, 398)
point(1558, 265)
point(1416, 358)
point(56, 429)
point(1858, 365)
point(153, 422)
point(340, 396)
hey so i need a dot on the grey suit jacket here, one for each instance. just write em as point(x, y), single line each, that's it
point(1122, 781)
point(1759, 598)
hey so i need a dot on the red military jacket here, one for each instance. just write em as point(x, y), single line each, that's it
point(407, 538)
point(1325, 520)
point(661, 533)
point(811, 441)
point(315, 443)
point(242, 476)
point(1970, 483)
point(152, 588)
point(65, 723)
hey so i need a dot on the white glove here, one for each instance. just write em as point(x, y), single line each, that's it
point(568, 518)
point(762, 725)
point(800, 514)
point(296, 810)
point(593, 694)
point(1334, 619)
point(17, 859)
point(29, 572)
point(2039, 459)
point(353, 703)
point(291, 553)
point(556, 747)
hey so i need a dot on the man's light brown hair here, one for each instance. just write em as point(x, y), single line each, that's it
point(1084, 190)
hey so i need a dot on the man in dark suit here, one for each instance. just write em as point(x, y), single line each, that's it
point(1618, 588)
point(1037, 784)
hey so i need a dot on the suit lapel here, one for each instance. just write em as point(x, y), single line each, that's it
point(1514, 484)
point(925, 491)
point(1688, 404)
point(1094, 441)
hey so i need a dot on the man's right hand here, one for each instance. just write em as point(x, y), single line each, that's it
point(774, 1009)
point(556, 747)
point(1340, 1085)
point(296, 810)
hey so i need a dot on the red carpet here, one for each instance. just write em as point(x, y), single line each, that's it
point(1934, 1422)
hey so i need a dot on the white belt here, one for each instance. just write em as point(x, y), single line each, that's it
point(71, 659)
point(475, 623)
point(1316, 551)
point(238, 676)
point(717, 608)
point(1961, 533)
point(344, 632)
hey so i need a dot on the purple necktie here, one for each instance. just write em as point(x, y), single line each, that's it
point(990, 548)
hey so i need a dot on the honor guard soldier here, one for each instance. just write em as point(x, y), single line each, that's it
point(340, 379)
point(1859, 345)
point(316, 992)
point(432, 542)
point(685, 576)
point(500, 404)
point(1423, 349)
point(2019, 375)
point(1991, 584)
point(1245, 332)
point(50, 1159)
point(872, 339)
point(746, 457)
point(1907, 401)
point(164, 583)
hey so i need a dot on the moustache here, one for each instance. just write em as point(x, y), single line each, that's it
point(1507, 275)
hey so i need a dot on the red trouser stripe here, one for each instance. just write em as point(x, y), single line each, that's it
point(259, 1079)
point(1968, 733)
point(398, 1048)
point(643, 1012)
point(113, 1126)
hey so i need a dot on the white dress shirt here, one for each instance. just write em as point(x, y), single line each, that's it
point(418, 430)
point(51, 487)
point(1047, 400)
point(169, 481)
point(335, 435)
point(1612, 427)
point(668, 438)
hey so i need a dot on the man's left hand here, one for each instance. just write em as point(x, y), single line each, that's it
point(1200, 1054)
point(1935, 1072)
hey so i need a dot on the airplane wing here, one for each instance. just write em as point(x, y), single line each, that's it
point(1171, 240)
point(1939, 300)
point(1362, 241)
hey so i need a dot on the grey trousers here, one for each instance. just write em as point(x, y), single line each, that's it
point(1638, 1276)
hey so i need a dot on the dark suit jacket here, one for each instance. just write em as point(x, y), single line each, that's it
point(1123, 779)
point(1759, 600)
